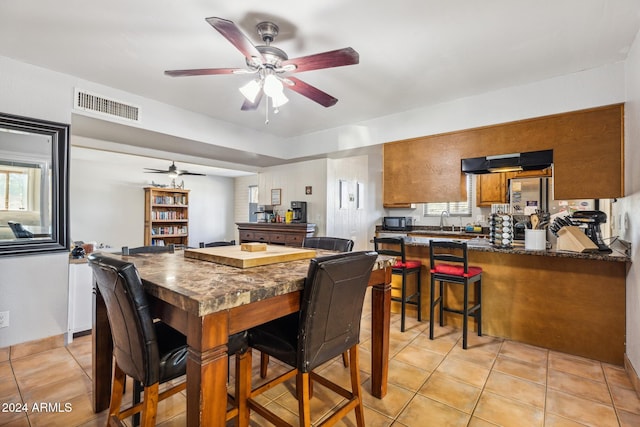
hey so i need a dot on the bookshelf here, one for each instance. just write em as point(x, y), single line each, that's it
point(166, 216)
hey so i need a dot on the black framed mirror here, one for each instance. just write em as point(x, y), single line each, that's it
point(34, 186)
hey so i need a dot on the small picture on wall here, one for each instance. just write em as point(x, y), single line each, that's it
point(276, 196)
point(308, 190)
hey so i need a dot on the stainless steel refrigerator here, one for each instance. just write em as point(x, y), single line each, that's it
point(526, 195)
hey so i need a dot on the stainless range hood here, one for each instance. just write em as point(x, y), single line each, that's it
point(532, 160)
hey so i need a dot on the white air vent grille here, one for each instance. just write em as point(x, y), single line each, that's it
point(108, 107)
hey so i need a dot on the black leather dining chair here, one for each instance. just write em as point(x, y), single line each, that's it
point(329, 243)
point(327, 325)
point(149, 352)
point(19, 231)
point(218, 243)
point(126, 250)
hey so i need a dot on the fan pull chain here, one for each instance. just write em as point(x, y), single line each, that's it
point(266, 111)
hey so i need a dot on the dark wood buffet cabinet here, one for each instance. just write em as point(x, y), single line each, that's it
point(275, 233)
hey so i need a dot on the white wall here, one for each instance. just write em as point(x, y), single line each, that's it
point(292, 179)
point(107, 201)
point(33, 288)
point(629, 206)
point(241, 199)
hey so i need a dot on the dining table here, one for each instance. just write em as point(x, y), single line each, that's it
point(207, 301)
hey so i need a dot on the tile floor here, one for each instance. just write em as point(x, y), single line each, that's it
point(431, 383)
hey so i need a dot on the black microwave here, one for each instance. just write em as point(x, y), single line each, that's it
point(396, 223)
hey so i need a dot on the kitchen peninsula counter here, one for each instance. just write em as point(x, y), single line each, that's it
point(565, 301)
point(484, 246)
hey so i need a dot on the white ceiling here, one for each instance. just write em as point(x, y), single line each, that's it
point(412, 52)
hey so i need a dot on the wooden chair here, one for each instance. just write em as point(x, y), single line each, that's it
point(449, 264)
point(327, 325)
point(394, 246)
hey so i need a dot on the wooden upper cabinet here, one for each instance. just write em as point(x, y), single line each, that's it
point(491, 188)
point(588, 146)
point(419, 172)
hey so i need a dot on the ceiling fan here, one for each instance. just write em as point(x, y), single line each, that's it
point(272, 66)
point(173, 171)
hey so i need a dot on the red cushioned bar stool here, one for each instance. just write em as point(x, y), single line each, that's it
point(449, 265)
point(394, 246)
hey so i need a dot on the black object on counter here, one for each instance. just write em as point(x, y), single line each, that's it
point(78, 252)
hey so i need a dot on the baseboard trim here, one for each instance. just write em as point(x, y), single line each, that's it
point(31, 347)
point(632, 374)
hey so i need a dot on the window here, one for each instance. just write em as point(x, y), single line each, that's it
point(14, 190)
point(454, 208)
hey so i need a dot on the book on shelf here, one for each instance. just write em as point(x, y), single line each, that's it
point(167, 215)
point(169, 229)
point(178, 199)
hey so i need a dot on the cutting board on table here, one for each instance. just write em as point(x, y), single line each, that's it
point(236, 257)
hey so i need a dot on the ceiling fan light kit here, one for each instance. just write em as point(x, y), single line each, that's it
point(251, 90)
point(271, 63)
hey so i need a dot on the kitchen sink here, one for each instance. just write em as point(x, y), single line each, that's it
point(438, 232)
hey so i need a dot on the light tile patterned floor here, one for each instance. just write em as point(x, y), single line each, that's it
point(431, 383)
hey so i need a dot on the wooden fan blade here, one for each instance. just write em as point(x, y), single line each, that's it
point(203, 72)
point(250, 106)
point(334, 58)
point(190, 173)
point(237, 38)
point(150, 170)
point(311, 92)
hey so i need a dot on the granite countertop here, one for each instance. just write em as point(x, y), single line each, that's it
point(482, 245)
point(435, 231)
point(202, 287)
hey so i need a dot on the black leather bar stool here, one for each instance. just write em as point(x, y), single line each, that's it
point(394, 246)
point(449, 264)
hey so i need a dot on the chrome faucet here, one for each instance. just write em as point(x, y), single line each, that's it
point(442, 215)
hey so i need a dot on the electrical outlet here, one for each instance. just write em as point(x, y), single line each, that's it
point(4, 319)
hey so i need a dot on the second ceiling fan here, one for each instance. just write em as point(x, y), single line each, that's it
point(272, 66)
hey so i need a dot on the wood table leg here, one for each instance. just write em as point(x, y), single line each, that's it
point(380, 330)
point(102, 354)
point(207, 370)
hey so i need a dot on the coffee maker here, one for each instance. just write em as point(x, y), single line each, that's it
point(592, 219)
point(299, 211)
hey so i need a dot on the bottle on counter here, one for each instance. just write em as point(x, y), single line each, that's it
point(288, 216)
